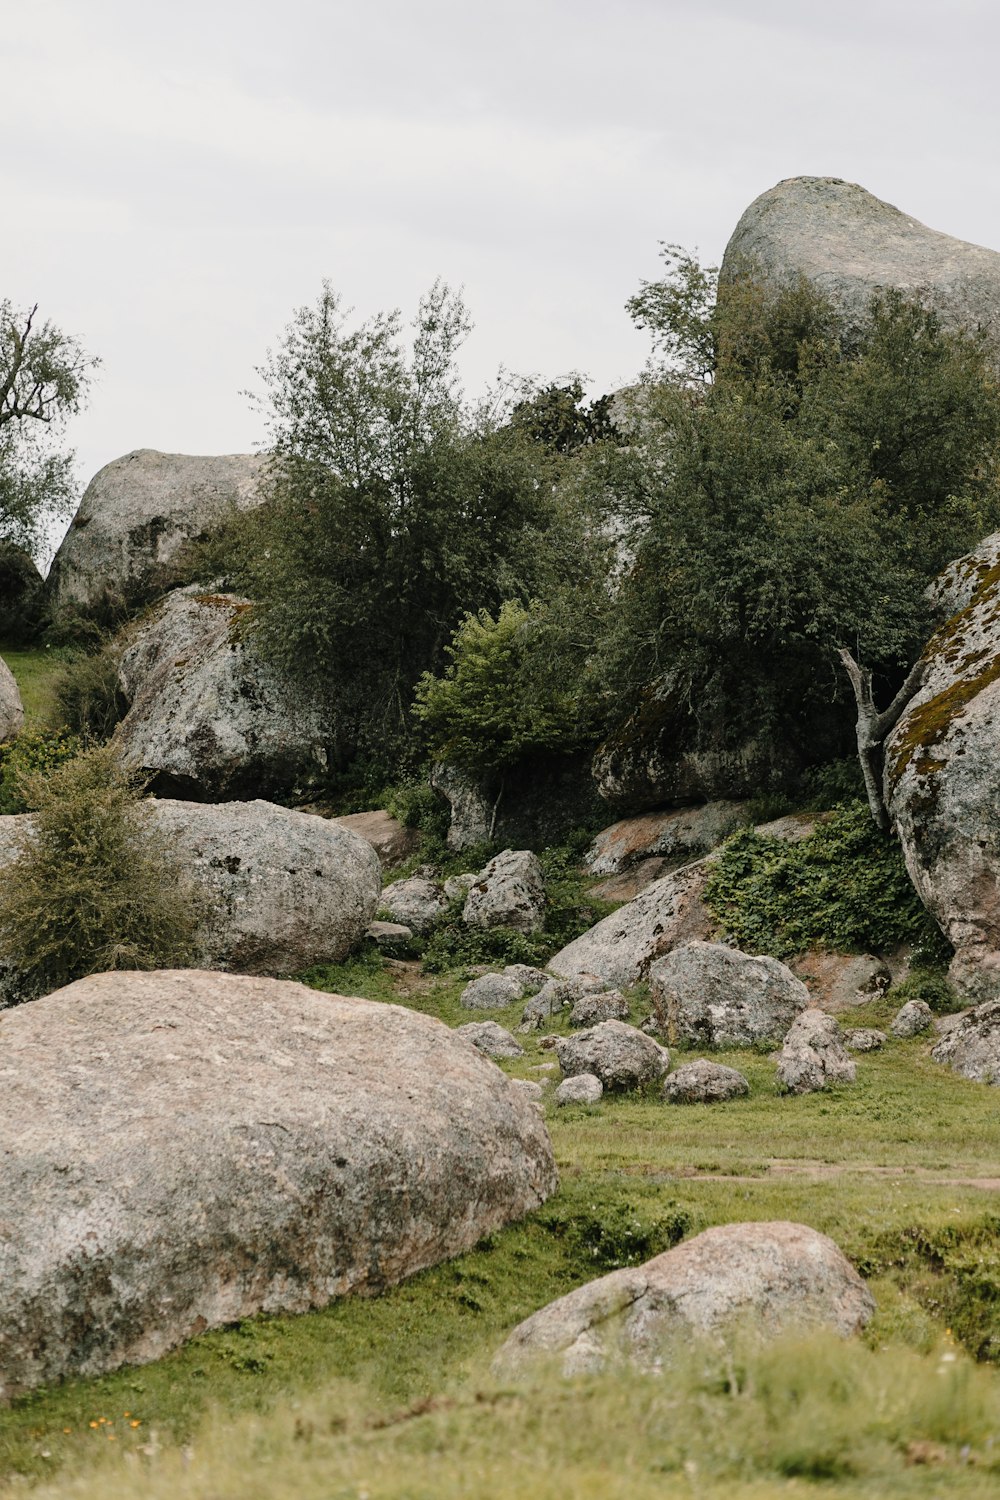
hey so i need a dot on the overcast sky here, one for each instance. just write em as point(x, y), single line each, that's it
point(176, 179)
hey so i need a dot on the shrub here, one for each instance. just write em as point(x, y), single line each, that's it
point(94, 886)
point(87, 698)
point(35, 753)
point(845, 887)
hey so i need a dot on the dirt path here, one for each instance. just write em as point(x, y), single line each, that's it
point(779, 1166)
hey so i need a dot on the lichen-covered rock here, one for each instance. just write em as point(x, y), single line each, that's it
point(864, 1039)
point(851, 245)
point(605, 1005)
point(942, 781)
point(491, 992)
point(911, 1019)
point(391, 938)
point(457, 887)
point(391, 840)
point(471, 822)
point(620, 948)
point(704, 1082)
point(813, 1055)
point(581, 1088)
point(678, 834)
point(183, 1150)
point(135, 517)
point(555, 996)
point(621, 1056)
point(509, 892)
point(972, 1046)
point(11, 707)
point(713, 996)
point(418, 902)
point(208, 717)
point(489, 1037)
point(775, 1277)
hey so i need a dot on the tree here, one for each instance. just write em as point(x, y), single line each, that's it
point(44, 375)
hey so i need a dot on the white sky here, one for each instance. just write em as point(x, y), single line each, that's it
point(177, 178)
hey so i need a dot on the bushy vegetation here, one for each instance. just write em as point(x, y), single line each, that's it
point(844, 887)
point(94, 886)
point(87, 699)
point(32, 756)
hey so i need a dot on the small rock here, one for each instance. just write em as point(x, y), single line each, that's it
point(651, 1026)
point(416, 903)
point(546, 1068)
point(391, 938)
point(490, 992)
point(581, 1088)
point(704, 1082)
point(528, 1086)
point(609, 1005)
point(490, 1038)
point(813, 1056)
point(531, 980)
point(457, 887)
point(547, 1043)
point(510, 892)
point(621, 1056)
point(864, 1039)
point(913, 1018)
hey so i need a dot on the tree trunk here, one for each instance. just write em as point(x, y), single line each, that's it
point(872, 727)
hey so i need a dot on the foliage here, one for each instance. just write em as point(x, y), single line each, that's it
point(616, 1233)
point(844, 887)
point(44, 374)
point(512, 687)
point(87, 698)
point(677, 313)
point(35, 753)
point(94, 886)
point(452, 945)
point(928, 984)
point(557, 417)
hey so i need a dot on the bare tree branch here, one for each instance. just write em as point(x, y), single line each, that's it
point(872, 727)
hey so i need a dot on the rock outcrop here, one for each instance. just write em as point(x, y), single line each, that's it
point(136, 515)
point(392, 841)
point(942, 778)
point(712, 996)
point(11, 707)
point(813, 1055)
point(621, 1056)
point(851, 245)
point(509, 892)
point(775, 1277)
point(972, 1046)
point(208, 719)
point(679, 834)
point(183, 1150)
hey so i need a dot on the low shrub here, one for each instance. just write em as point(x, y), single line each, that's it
point(929, 985)
point(87, 698)
point(616, 1233)
point(95, 886)
point(844, 887)
point(35, 753)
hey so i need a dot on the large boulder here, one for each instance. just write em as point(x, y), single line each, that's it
point(392, 841)
point(183, 1150)
point(942, 779)
point(704, 1082)
point(509, 892)
point(620, 948)
point(277, 891)
point(813, 1055)
point(851, 245)
point(708, 995)
point(136, 515)
point(418, 902)
point(678, 834)
point(621, 1056)
point(208, 718)
point(972, 1045)
point(11, 707)
point(22, 596)
point(775, 1277)
point(471, 812)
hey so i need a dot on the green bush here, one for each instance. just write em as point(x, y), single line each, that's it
point(609, 1235)
point(95, 886)
point(845, 887)
point(35, 753)
point(87, 698)
point(455, 946)
point(929, 985)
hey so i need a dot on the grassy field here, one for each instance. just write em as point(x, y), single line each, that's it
point(393, 1397)
point(34, 670)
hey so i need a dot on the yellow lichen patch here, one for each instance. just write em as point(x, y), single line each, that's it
point(928, 723)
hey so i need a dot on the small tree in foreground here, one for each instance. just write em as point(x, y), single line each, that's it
point(95, 886)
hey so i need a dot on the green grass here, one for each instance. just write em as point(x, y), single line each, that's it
point(393, 1396)
point(34, 671)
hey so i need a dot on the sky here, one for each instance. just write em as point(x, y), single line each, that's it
point(178, 179)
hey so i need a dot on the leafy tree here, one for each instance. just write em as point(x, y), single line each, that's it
point(44, 375)
point(557, 416)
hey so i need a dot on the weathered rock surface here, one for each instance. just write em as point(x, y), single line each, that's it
point(620, 948)
point(208, 718)
point(714, 996)
point(489, 1037)
point(491, 992)
point(704, 1082)
point(581, 1088)
point(390, 839)
point(183, 1150)
point(391, 938)
point(471, 813)
point(942, 782)
point(865, 1039)
point(417, 902)
point(972, 1046)
point(851, 245)
point(911, 1019)
point(621, 1056)
point(678, 834)
point(11, 707)
point(813, 1055)
point(22, 596)
point(776, 1276)
point(509, 892)
point(136, 515)
point(457, 887)
point(554, 996)
point(839, 981)
point(605, 1005)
